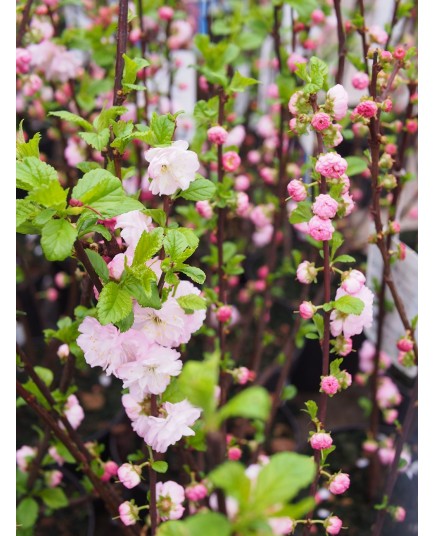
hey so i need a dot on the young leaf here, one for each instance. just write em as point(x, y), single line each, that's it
point(252, 403)
point(302, 213)
point(160, 466)
point(349, 305)
point(131, 68)
point(191, 303)
point(148, 245)
point(97, 140)
point(73, 118)
point(54, 498)
point(312, 409)
point(232, 479)
point(174, 244)
point(49, 195)
point(288, 393)
point(334, 367)
point(196, 274)
point(27, 513)
point(32, 173)
point(318, 320)
point(98, 264)
point(114, 304)
point(29, 148)
point(158, 215)
point(344, 258)
point(58, 237)
point(356, 165)
point(239, 83)
point(199, 190)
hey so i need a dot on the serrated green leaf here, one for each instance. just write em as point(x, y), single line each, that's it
point(349, 305)
point(99, 265)
point(144, 298)
point(49, 195)
point(196, 274)
point(97, 140)
point(114, 304)
point(157, 214)
point(174, 244)
point(301, 213)
point(312, 408)
point(27, 513)
point(231, 478)
point(199, 190)
point(57, 239)
point(73, 118)
point(148, 245)
point(25, 210)
point(191, 303)
point(239, 83)
point(251, 403)
point(29, 148)
point(162, 128)
point(103, 120)
point(131, 68)
point(54, 498)
point(32, 173)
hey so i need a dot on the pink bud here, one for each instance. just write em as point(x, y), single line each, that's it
point(405, 345)
point(224, 313)
point(367, 109)
point(165, 13)
point(129, 475)
point(204, 209)
point(387, 105)
point(297, 190)
point(339, 483)
point(321, 121)
point(386, 55)
point(75, 203)
point(333, 525)
point(129, 513)
point(242, 183)
point(231, 161)
point(196, 492)
point(52, 294)
point(53, 478)
point(217, 135)
point(329, 385)
point(306, 272)
point(353, 281)
point(399, 514)
point(263, 272)
point(321, 441)
point(317, 16)
point(399, 53)
point(411, 126)
point(63, 351)
point(234, 453)
point(360, 80)
point(307, 310)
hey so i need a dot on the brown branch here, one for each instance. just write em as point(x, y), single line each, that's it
point(121, 48)
point(392, 24)
point(84, 259)
point(24, 22)
point(362, 33)
point(341, 41)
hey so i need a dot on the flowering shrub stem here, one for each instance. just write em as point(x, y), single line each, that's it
point(363, 35)
point(24, 22)
point(121, 41)
point(341, 42)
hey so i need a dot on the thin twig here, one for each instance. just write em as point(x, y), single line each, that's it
point(24, 22)
point(341, 41)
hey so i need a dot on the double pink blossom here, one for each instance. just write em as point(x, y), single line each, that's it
point(129, 475)
point(338, 97)
point(321, 121)
point(325, 206)
point(320, 229)
point(231, 161)
point(339, 483)
point(321, 441)
point(331, 165)
point(297, 190)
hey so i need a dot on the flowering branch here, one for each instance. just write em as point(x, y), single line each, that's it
point(341, 42)
point(24, 22)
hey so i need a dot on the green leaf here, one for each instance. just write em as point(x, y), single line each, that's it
point(45, 374)
point(104, 119)
point(58, 237)
point(282, 478)
point(99, 265)
point(302, 213)
point(138, 290)
point(195, 274)
point(103, 191)
point(232, 479)
point(318, 320)
point(157, 214)
point(344, 258)
point(209, 524)
point(131, 68)
point(356, 165)
point(318, 71)
point(312, 409)
point(162, 128)
point(289, 392)
point(49, 195)
point(239, 83)
point(126, 323)
point(54, 498)
point(114, 304)
point(29, 148)
point(349, 305)
point(160, 466)
point(251, 403)
point(303, 7)
point(174, 244)
point(335, 367)
point(191, 303)
point(173, 528)
point(27, 513)
point(97, 140)
point(32, 173)
point(25, 211)
point(73, 118)
point(199, 190)
point(148, 245)
point(336, 243)
point(85, 167)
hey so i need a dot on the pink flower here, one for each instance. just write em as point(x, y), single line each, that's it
point(378, 34)
point(320, 229)
point(343, 346)
point(333, 525)
point(350, 324)
point(339, 98)
point(73, 411)
point(129, 513)
point(329, 385)
point(262, 236)
point(53, 478)
point(231, 161)
point(321, 121)
point(63, 351)
point(348, 203)
point(405, 345)
point(321, 441)
point(317, 16)
point(339, 483)
point(110, 470)
point(243, 205)
point(236, 136)
point(367, 109)
point(170, 497)
point(242, 183)
point(293, 102)
point(23, 59)
point(360, 80)
point(24, 456)
point(307, 310)
point(165, 431)
point(234, 453)
point(165, 13)
point(306, 272)
point(281, 525)
point(388, 394)
point(399, 514)
point(387, 105)
point(204, 209)
point(297, 190)
point(386, 455)
point(52, 451)
point(331, 165)
point(171, 168)
point(390, 415)
point(133, 225)
point(294, 60)
point(217, 135)
point(129, 475)
point(261, 216)
point(353, 281)
point(411, 125)
point(224, 313)
point(181, 34)
point(399, 53)
point(325, 206)
point(196, 492)
point(241, 375)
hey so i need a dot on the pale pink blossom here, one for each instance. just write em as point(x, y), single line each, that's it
point(242, 375)
point(231, 161)
point(24, 457)
point(193, 321)
point(390, 415)
point(129, 513)
point(204, 209)
point(339, 98)
point(129, 475)
point(333, 525)
point(320, 229)
point(281, 525)
point(63, 351)
point(348, 203)
point(321, 121)
point(399, 514)
point(331, 165)
point(388, 394)
point(325, 206)
point(236, 136)
point(263, 235)
point(339, 483)
point(73, 411)
point(74, 151)
point(170, 497)
point(23, 59)
point(164, 326)
point(133, 224)
point(32, 85)
point(52, 451)
point(110, 470)
point(242, 183)
point(353, 281)
point(293, 60)
point(366, 108)
point(350, 324)
point(181, 33)
point(166, 431)
point(329, 385)
point(343, 346)
point(386, 455)
point(306, 272)
point(378, 35)
point(117, 265)
point(171, 168)
point(321, 441)
point(297, 190)
point(261, 215)
point(243, 204)
point(217, 135)
point(360, 80)
point(53, 478)
point(293, 102)
point(265, 127)
point(307, 310)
